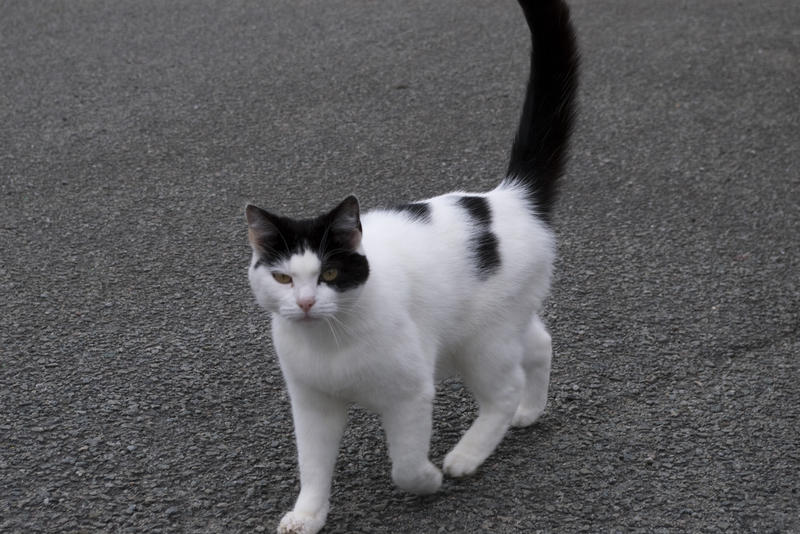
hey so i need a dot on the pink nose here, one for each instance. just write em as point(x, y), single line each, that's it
point(305, 304)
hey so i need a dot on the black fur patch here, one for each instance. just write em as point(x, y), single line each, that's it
point(484, 246)
point(295, 236)
point(418, 211)
point(478, 208)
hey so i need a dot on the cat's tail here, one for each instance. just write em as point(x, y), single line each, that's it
point(539, 153)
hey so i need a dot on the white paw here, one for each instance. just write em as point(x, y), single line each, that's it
point(423, 482)
point(297, 523)
point(457, 464)
point(526, 417)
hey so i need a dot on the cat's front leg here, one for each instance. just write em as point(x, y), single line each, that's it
point(407, 424)
point(318, 424)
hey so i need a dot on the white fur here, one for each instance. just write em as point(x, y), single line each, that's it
point(422, 314)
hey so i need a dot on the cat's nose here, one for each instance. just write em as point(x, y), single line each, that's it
point(306, 303)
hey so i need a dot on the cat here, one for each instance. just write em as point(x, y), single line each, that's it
point(374, 308)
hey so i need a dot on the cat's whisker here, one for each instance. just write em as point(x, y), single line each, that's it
point(368, 338)
point(329, 253)
point(345, 328)
point(333, 331)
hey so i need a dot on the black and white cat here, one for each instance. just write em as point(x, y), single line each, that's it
point(373, 308)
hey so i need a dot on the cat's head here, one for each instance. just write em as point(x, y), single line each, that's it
point(307, 269)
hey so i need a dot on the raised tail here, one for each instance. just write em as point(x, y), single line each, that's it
point(539, 153)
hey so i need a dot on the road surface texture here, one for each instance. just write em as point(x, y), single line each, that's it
point(139, 391)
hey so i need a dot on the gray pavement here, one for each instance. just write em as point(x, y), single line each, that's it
point(138, 388)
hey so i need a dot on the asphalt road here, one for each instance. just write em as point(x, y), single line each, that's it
point(138, 387)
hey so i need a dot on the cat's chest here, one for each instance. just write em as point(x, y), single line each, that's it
point(359, 371)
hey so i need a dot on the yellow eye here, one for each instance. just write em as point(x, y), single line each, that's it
point(330, 275)
point(282, 278)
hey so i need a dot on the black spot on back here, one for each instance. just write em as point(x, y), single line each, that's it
point(478, 208)
point(418, 211)
point(483, 245)
point(487, 254)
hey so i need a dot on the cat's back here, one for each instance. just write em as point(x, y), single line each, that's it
point(466, 258)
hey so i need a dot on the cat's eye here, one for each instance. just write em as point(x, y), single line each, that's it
point(329, 275)
point(282, 278)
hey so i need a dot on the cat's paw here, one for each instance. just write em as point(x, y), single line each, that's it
point(526, 417)
point(422, 482)
point(457, 464)
point(298, 523)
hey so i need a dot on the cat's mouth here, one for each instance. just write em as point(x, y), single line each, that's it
point(304, 318)
point(299, 316)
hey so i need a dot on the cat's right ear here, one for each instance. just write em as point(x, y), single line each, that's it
point(260, 228)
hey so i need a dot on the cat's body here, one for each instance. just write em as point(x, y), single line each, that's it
point(425, 284)
point(374, 309)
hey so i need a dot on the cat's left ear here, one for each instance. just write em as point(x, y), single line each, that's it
point(346, 223)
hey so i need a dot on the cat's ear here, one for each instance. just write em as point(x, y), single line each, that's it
point(261, 227)
point(346, 223)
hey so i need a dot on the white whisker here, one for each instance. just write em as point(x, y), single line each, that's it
point(333, 331)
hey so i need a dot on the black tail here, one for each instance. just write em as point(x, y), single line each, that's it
point(539, 154)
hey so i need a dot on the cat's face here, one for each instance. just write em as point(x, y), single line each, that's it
point(309, 269)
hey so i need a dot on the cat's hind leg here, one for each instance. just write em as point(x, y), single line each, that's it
point(493, 372)
point(408, 425)
point(536, 363)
